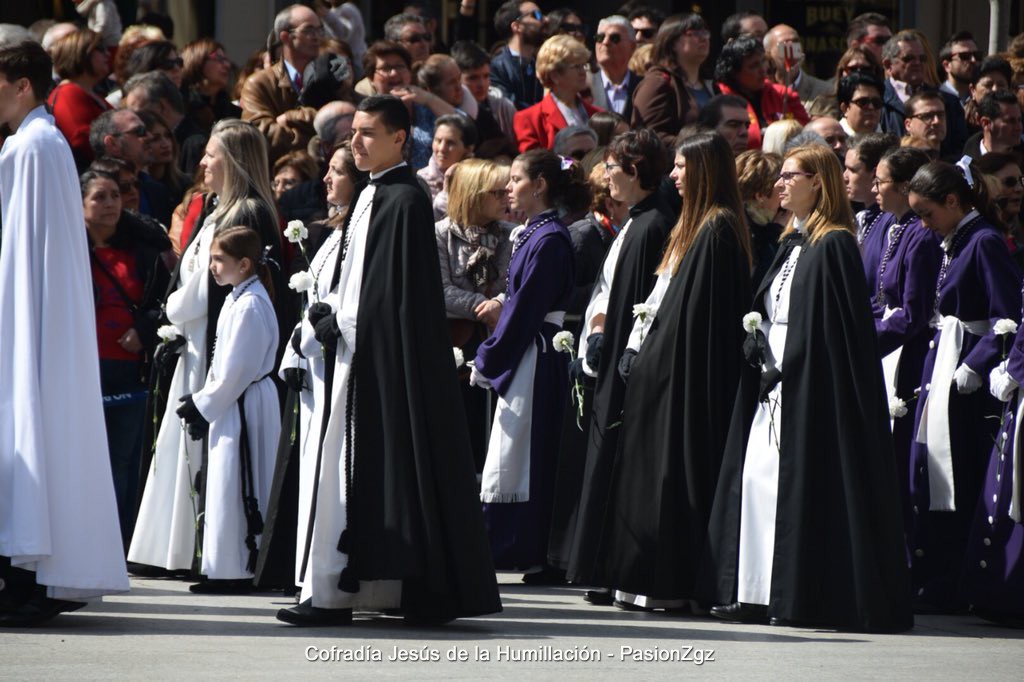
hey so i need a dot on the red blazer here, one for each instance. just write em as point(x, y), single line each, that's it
point(73, 111)
point(773, 96)
point(537, 126)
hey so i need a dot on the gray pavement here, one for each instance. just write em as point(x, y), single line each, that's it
point(161, 631)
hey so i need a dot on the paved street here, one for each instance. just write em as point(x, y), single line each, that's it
point(161, 631)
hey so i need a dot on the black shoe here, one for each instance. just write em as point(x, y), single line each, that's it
point(428, 619)
point(602, 597)
point(147, 571)
point(239, 586)
point(1008, 620)
point(307, 615)
point(741, 613)
point(779, 622)
point(629, 606)
point(546, 576)
point(36, 611)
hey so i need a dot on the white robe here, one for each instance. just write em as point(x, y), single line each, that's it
point(243, 359)
point(760, 488)
point(165, 531)
point(320, 583)
point(598, 304)
point(58, 516)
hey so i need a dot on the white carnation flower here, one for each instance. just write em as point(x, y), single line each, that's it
point(168, 332)
point(642, 310)
point(301, 281)
point(460, 360)
point(1004, 326)
point(751, 322)
point(897, 407)
point(564, 342)
point(296, 231)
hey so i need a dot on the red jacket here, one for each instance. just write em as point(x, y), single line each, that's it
point(537, 126)
point(74, 110)
point(772, 97)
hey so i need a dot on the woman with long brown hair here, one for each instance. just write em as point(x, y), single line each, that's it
point(680, 368)
point(805, 526)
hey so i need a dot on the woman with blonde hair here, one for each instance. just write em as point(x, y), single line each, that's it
point(474, 249)
point(236, 171)
point(778, 134)
point(805, 526)
point(679, 369)
point(562, 68)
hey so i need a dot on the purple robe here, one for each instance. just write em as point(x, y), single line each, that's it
point(994, 570)
point(872, 227)
point(908, 287)
point(982, 283)
point(540, 281)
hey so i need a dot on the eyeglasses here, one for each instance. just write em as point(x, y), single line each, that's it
point(578, 67)
point(789, 177)
point(928, 116)
point(613, 38)
point(967, 56)
point(392, 68)
point(645, 33)
point(417, 38)
point(1013, 182)
point(138, 131)
point(309, 31)
point(911, 58)
point(608, 167)
point(536, 14)
point(698, 33)
point(218, 56)
point(868, 102)
point(876, 183)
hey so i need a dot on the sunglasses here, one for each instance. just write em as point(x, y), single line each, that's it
point(911, 58)
point(878, 40)
point(171, 64)
point(646, 32)
point(613, 38)
point(967, 56)
point(138, 131)
point(536, 14)
point(868, 102)
point(927, 116)
point(418, 38)
point(1013, 182)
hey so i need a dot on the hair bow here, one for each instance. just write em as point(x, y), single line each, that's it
point(265, 258)
point(964, 164)
point(567, 162)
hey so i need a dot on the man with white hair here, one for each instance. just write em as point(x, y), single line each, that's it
point(785, 53)
point(613, 83)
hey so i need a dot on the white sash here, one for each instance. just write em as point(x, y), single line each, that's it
point(506, 474)
point(933, 430)
point(1015, 494)
point(891, 363)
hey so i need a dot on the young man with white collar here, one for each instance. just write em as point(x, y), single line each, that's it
point(59, 534)
point(406, 531)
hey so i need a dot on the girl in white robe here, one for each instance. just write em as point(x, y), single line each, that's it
point(240, 463)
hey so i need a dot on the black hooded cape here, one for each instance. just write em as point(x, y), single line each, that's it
point(414, 511)
point(840, 558)
point(582, 485)
point(677, 405)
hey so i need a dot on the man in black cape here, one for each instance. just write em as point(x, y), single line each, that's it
point(406, 500)
point(839, 556)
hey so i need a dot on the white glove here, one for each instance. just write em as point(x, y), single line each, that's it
point(1001, 384)
point(477, 379)
point(967, 380)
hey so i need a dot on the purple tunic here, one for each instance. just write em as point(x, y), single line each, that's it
point(982, 283)
point(994, 570)
point(872, 227)
point(907, 284)
point(541, 281)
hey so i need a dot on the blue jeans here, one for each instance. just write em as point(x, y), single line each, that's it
point(124, 410)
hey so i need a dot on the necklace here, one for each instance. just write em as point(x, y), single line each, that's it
point(890, 250)
point(327, 257)
point(947, 258)
point(862, 235)
point(350, 229)
point(527, 233)
point(199, 237)
point(787, 270)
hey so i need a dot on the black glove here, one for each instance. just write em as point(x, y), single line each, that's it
point(166, 356)
point(594, 344)
point(626, 363)
point(769, 380)
point(317, 312)
point(297, 341)
point(198, 427)
point(327, 331)
point(295, 379)
point(755, 348)
point(576, 372)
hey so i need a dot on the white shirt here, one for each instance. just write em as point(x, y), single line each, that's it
point(576, 116)
point(616, 94)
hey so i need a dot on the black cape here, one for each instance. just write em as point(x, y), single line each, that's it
point(414, 511)
point(585, 460)
point(840, 559)
point(675, 421)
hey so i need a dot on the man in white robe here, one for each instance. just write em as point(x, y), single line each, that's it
point(59, 533)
